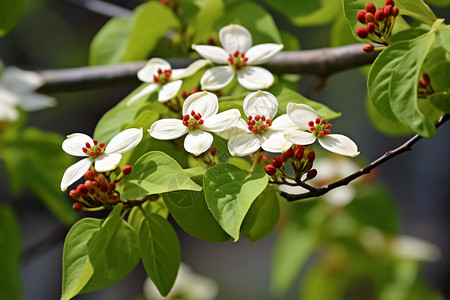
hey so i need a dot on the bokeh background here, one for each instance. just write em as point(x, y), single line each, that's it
point(56, 34)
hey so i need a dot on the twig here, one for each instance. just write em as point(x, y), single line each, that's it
point(321, 62)
point(316, 192)
point(103, 8)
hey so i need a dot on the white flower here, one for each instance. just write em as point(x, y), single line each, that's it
point(163, 78)
point(241, 59)
point(311, 128)
point(188, 285)
point(17, 89)
point(259, 131)
point(413, 248)
point(199, 114)
point(104, 159)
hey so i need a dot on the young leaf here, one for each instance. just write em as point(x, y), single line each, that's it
point(262, 217)
point(403, 88)
point(155, 173)
point(10, 243)
point(416, 9)
point(229, 193)
point(10, 12)
point(160, 251)
point(441, 100)
point(202, 25)
point(150, 207)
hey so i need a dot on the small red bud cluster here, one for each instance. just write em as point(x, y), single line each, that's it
point(424, 87)
point(379, 23)
point(98, 190)
point(191, 121)
point(162, 76)
point(258, 124)
point(238, 60)
point(300, 159)
point(185, 94)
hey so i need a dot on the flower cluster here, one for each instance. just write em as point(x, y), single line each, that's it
point(424, 86)
point(98, 191)
point(379, 23)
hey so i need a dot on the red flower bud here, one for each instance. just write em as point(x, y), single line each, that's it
point(422, 83)
point(311, 156)
point(370, 28)
point(395, 11)
point(270, 170)
point(299, 153)
point(361, 16)
point(371, 8)
point(426, 77)
point(362, 32)
point(368, 48)
point(264, 158)
point(78, 207)
point(89, 175)
point(111, 186)
point(370, 18)
point(277, 162)
point(74, 194)
point(103, 188)
point(283, 157)
point(388, 10)
point(212, 150)
point(379, 15)
point(126, 170)
point(389, 2)
point(82, 189)
point(311, 174)
point(290, 153)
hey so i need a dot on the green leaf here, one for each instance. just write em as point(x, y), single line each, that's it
point(190, 211)
point(441, 100)
point(11, 245)
point(262, 217)
point(259, 22)
point(201, 26)
point(443, 37)
point(155, 173)
point(403, 88)
point(285, 95)
point(229, 193)
point(133, 38)
point(150, 207)
point(441, 3)
point(408, 34)
point(313, 287)
point(341, 33)
point(416, 9)
point(10, 12)
point(160, 251)
point(308, 13)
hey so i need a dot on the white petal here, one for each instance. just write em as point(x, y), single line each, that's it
point(205, 103)
point(8, 97)
point(34, 101)
point(8, 113)
point(254, 78)
point(197, 142)
point(283, 123)
point(151, 68)
point(235, 37)
point(167, 129)
point(21, 81)
point(222, 121)
point(169, 90)
point(300, 137)
point(240, 127)
point(145, 91)
point(124, 141)
point(213, 53)
point(341, 196)
point(190, 70)
point(261, 54)
point(301, 114)
point(274, 142)
point(260, 103)
point(74, 144)
point(216, 78)
point(244, 144)
point(107, 162)
point(75, 172)
point(339, 144)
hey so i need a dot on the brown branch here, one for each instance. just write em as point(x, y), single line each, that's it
point(316, 192)
point(320, 62)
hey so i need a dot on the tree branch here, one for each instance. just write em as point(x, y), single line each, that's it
point(316, 192)
point(321, 62)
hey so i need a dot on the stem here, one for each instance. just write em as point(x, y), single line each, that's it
point(255, 160)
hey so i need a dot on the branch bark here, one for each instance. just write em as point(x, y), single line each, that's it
point(316, 192)
point(320, 62)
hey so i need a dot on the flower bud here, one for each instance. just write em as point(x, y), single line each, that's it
point(101, 179)
point(311, 174)
point(290, 153)
point(370, 18)
point(284, 156)
point(370, 28)
point(74, 194)
point(212, 150)
point(371, 8)
point(82, 189)
point(422, 83)
point(379, 15)
point(89, 175)
point(270, 170)
point(362, 32)
point(112, 186)
point(104, 188)
point(426, 77)
point(264, 158)
point(311, 156)
point(368, 48)
point(390, 2)
point(277, 162)
point(395, 11)
point(388, 10)
point(78, 207)
point(299, 153)
point(126, 170)
point(361, 16)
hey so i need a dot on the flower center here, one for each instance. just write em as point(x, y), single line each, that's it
point(258, 124)
point(193, 121)
point(94, 150)
point(319, 127)
point(238, 60)
point(162, 76)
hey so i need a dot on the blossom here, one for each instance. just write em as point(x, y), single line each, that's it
point(17, 89)
point(310, 127)
point(259, 131)
point(241, 58)
point(164, 79)
point(104, 158)
point(188, 285)
point(199, 115)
